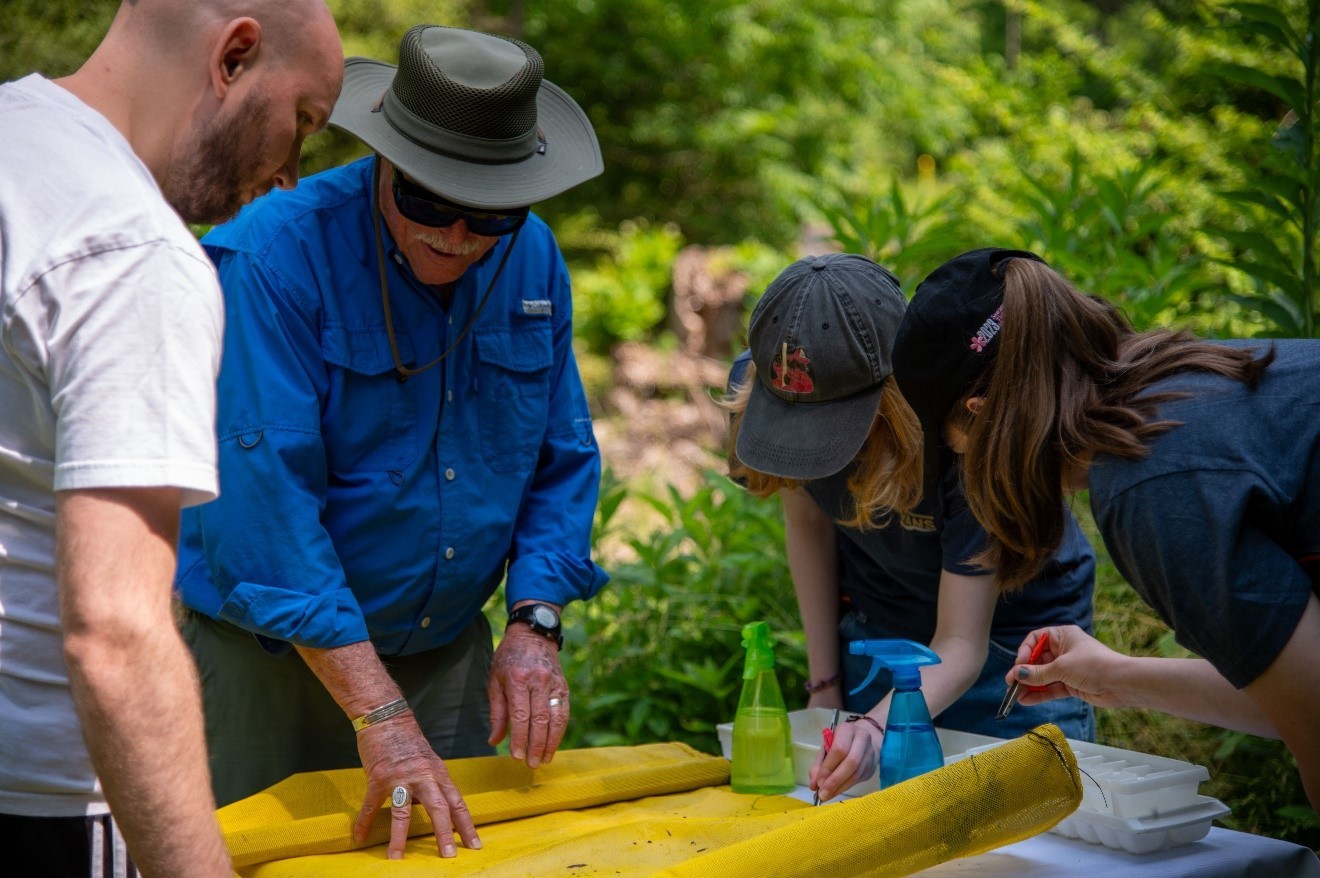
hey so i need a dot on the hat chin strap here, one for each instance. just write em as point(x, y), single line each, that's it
point(402, 372)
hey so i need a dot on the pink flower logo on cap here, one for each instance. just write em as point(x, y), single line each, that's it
point(989, 329)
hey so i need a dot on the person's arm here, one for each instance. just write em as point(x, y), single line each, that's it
point(1277, 704)
point(550, 560)
point(1076, 664)
point(813, 562)
point(965, 608)
point(394, 752)
point(133, 681)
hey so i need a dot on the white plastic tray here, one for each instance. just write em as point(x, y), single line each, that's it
point(1131, 801)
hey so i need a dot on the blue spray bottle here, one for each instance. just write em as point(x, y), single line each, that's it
point(762, 739)
point(911, 746)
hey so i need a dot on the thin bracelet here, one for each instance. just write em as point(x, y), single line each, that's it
point(861, 716)
point(380, 714)
point(821, 685)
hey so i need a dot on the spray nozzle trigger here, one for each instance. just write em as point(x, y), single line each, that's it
point(903, 657)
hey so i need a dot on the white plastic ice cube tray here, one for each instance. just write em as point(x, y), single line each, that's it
point(1131, 801)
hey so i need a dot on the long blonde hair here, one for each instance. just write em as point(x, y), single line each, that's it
point(888, 473)
point(1066, 385)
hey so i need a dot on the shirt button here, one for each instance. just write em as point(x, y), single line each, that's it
point(449, 396)
point(449, 474)
point(426, 623)
point(449, 553)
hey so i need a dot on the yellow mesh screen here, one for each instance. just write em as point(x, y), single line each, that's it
point(684, 827)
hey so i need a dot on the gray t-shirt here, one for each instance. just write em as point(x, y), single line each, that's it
point(110, 328)
point(1219, 528)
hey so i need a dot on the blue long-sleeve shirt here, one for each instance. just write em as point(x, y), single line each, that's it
point(354, 506)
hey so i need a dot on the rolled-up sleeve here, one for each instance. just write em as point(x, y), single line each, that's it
point(273, 566)
point(551, 557)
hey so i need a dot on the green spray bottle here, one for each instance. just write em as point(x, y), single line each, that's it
point(911, 746)
point(762, 740)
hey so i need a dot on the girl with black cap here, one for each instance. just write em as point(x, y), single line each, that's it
point(818, 420)
point(1203, 465)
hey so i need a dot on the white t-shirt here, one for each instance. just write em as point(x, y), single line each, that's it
point(110, 329)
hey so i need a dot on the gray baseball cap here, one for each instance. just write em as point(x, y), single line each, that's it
point(821, 339)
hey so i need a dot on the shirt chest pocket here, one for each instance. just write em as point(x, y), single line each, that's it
point(369, 423)
point(513, 391)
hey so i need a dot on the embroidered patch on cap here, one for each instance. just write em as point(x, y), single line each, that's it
point(989, 329)
point(791, 372)
point(537, 306)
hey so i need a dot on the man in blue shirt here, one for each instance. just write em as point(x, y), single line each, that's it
point(402, 427)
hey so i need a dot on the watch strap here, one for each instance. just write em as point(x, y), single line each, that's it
point(527, 614)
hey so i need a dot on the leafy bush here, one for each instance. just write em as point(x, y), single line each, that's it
point(621, 297)
point(656, 656)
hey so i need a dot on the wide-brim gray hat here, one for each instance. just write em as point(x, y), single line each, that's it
point(470, 117)
point(820, 338)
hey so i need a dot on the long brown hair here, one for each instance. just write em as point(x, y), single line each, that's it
point(888, 473)
point(1064, 387)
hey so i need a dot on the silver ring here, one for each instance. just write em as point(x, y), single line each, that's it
point(399, 798)
point(555, 702)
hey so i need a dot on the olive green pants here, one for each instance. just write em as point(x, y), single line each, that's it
point(268, 716)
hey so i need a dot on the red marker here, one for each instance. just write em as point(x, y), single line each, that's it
point(826, 735)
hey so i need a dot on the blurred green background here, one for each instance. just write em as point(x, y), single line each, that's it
point(1159, 152)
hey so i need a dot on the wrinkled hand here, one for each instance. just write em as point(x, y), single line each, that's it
point(524, 676)
point(396, 753)
point(850, 761)
point(1074, 663)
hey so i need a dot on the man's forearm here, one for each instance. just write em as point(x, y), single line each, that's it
point(133, 680)
point(353, 675)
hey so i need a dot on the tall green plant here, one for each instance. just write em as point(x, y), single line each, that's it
point(907, 233)
point(1108, 232)
point(1276, 248)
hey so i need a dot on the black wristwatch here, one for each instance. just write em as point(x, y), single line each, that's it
point(541, 618)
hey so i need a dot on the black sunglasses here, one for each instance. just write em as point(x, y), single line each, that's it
point(425, 207)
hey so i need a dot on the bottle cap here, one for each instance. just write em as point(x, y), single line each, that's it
point(760, 649)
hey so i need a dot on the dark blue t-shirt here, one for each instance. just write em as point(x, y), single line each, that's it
point(893, 573)
point(1218, 529)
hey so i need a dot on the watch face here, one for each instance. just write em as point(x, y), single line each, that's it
point(544, 616)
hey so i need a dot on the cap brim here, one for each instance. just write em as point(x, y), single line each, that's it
point(804, 440)
point(572, 153)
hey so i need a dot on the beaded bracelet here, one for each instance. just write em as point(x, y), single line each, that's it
point(822, 685)
point(861, 716)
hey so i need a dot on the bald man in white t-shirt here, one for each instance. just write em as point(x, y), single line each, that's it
point(110, 328)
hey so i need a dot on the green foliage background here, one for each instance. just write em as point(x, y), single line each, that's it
point(1159, 152)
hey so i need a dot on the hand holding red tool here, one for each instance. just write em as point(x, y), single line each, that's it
point(1015, 689)
point(827, 735)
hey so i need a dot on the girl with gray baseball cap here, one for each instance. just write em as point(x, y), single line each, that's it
point(1203, 465)
point(818, 420)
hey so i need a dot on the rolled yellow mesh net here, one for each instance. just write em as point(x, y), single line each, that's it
point(659, 810)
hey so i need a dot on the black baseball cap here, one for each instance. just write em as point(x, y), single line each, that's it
point(948, 337)
point(821, 338)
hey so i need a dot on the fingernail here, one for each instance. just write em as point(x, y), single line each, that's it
point(1023, 673)
point(533, 763)
point(477, 845)
point(449, 851)
point(518, 754)
point(395, 855)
